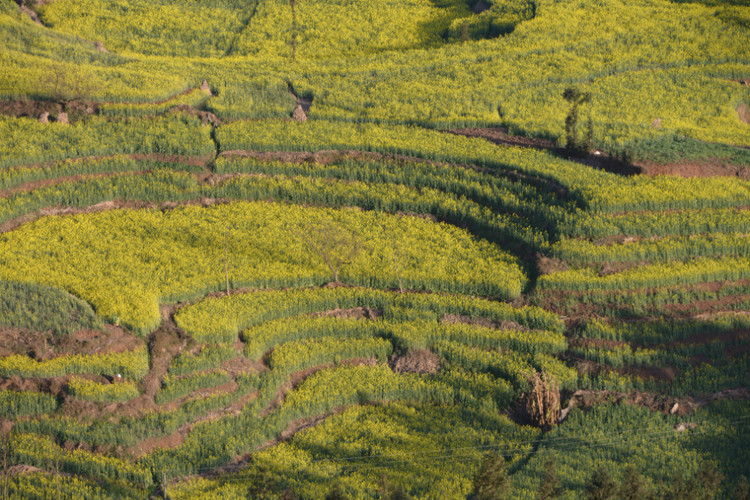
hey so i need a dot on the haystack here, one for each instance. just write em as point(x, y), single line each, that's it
point(299, 114)
point(205, 88)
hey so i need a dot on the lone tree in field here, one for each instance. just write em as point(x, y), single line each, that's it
point(66, 86)
point(633, 486)
point(601, 486)
point(398, 266)
point(391, 491)
point(703, 485)
point(576, 98)
point(491, 483)
point(293, 5)
point(741, 490)
point(333, 244)
point(707, 480)
point(227, 261)
point(543, 401)
point(336, 493)
point(550, 487)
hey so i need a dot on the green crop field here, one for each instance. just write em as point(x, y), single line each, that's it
point(428, 249)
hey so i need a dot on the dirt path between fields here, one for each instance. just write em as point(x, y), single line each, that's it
point(710, 167)
point(295, 379)
point(596, 160)
point(177, 438)
point(664, 404)
point(32, 108)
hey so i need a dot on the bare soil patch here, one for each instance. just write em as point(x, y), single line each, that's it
point(29, 108)
point(703, 168)
point(32, 14)
point(663, 374)
point(617, 267)
point(706, 338)
point(54, 386)
point(656, 402)
point(550, 265)
point(304, 103)
point(164, 344)
point(559, 301)
point(422, 361)
point(484, 322)
point(710, 167)
point(242, 365)
point(323, 157)
point(206, 117)
point(45, 345)
point(743, 111)
point(158, 443)
point(584, 342)
point(16, 470)
point(196, 161)
point(502, 135)
point(352, 313)
point(596, 159)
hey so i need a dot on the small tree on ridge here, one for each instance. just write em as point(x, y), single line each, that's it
point(576, 98)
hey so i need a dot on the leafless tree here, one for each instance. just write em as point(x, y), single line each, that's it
point(397, 264)
point(334, 244)
point(66, 87)
point(227, 263)
point(293, 5)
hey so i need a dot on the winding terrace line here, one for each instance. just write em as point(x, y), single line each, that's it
point(332, 156)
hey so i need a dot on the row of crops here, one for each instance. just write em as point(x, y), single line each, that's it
point(31, 142)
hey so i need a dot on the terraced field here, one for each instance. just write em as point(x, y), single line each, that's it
point(339, 249)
